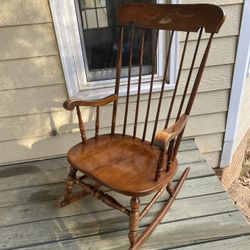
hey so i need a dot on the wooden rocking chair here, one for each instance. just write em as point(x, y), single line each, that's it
point(128, 164)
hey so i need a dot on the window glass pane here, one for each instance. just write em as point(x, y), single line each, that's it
point(100, 3)
point(102, 17)
point(88, 3)
point(100, 35)
point(84, 20)
point(91, 18)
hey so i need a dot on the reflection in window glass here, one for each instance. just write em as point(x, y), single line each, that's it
point(100, 33)
point(94, 13)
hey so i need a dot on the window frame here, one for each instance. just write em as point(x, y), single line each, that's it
point(69, 43)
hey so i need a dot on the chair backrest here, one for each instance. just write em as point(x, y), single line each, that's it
point(197, 18)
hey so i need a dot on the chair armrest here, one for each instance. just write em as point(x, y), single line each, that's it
point(70, 104)
point(163, 137)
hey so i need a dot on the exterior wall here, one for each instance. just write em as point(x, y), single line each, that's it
point(32, 88)
point(210, 143)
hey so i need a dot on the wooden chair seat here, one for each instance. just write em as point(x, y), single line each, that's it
point(121, 163)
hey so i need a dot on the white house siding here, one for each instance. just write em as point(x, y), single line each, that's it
point(32, 87)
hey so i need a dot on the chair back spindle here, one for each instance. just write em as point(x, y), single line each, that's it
point(81, 124)
point(154, 58)
point(190, 74)
point(97, 122)
point(177, 81)
point(139, 82)
point(118, 75)
point(132, 31)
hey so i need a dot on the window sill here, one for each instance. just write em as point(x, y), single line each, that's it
point(98, 92)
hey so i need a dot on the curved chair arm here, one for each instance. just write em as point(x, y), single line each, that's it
point(70, 104)
point(163, 137)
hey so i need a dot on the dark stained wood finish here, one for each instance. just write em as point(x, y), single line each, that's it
point(151, 85)
point(70, 181)
point(149, 230)
point(97, 123)
point(139, 83)
point(165, 136)
point(179, 17)
point(100, 195)
point(70, 104)
point(129, 160)
point(117, 82)
point(81, 125)
point(132, 30)
point(126, 163)
point(134, 219)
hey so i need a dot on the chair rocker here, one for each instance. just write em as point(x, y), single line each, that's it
point(130, 164)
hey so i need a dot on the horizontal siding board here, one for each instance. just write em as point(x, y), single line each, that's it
point(51, 146)
point(50, 98)
point(32, 100)
point(214, 78)
point(32, 72)
point(20, 12)
point(230, 27)
point(209, 143)
point(41, 124)
point(213, 158)
point(205, 103)
point(222, 51)
point(27, 41)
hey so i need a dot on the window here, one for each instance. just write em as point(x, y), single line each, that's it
point(89, 63)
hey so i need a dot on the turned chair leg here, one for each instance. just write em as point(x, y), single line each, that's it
point(70, 181)
point(134, 219)
point(170, 188)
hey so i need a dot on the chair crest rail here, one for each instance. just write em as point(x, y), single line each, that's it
point(179, 17)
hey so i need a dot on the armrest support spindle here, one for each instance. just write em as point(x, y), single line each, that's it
point(81, 125)
point(166, 138)
point(70, 104)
